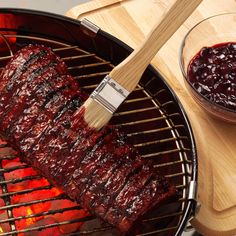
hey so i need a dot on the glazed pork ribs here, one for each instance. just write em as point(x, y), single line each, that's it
point(40, 118)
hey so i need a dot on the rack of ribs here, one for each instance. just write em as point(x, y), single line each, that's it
point(40, 117)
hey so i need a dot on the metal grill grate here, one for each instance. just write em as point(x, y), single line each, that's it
point(151, 119)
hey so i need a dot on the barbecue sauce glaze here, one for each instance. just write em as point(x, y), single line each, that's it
point(212, 72)
point(40, 116)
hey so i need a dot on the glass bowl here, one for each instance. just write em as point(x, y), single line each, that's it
point(211, 31)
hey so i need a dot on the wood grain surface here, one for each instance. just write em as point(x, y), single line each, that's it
point(131, 21)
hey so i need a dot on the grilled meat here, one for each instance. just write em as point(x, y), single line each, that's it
point(40, 117)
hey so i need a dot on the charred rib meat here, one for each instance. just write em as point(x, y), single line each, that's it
point(40, 117)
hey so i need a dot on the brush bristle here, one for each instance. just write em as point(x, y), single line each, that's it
point(95, 114)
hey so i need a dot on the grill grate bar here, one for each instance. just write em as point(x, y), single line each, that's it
point(93, 86)
point(3, 145)
point(9, 157)
point(72, 58)
point(77, 57)
point(65, 48)
point(89, 65)
point(39, 228)
point(138, 100)
point(173, 114)
point(26, 191)
point(5, 58)
point(59, 197)
point(45, 213)
point(164, 152)
point(160, 141)
point(159, 92)
point(14, 181)
point(135, 111)
point(151, 131)
point(155, 142)
point(142, 121)
point(174, 175)
point(6, 170)
point(167, 103)
point(91, 75)
point(181, 186)
point(169, 163)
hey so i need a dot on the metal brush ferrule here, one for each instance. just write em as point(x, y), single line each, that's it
point(109, 94)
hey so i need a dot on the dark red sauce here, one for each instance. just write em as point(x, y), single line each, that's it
point(212, 72)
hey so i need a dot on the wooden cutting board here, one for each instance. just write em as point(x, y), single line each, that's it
point(130, 21)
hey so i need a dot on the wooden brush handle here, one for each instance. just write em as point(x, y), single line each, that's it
point(129, 72)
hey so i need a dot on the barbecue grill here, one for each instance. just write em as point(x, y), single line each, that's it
point(152, 117)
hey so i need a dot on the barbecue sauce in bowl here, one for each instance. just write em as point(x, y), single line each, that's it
point(212, 72)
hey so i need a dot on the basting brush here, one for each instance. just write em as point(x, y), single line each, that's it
point(122, 80)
